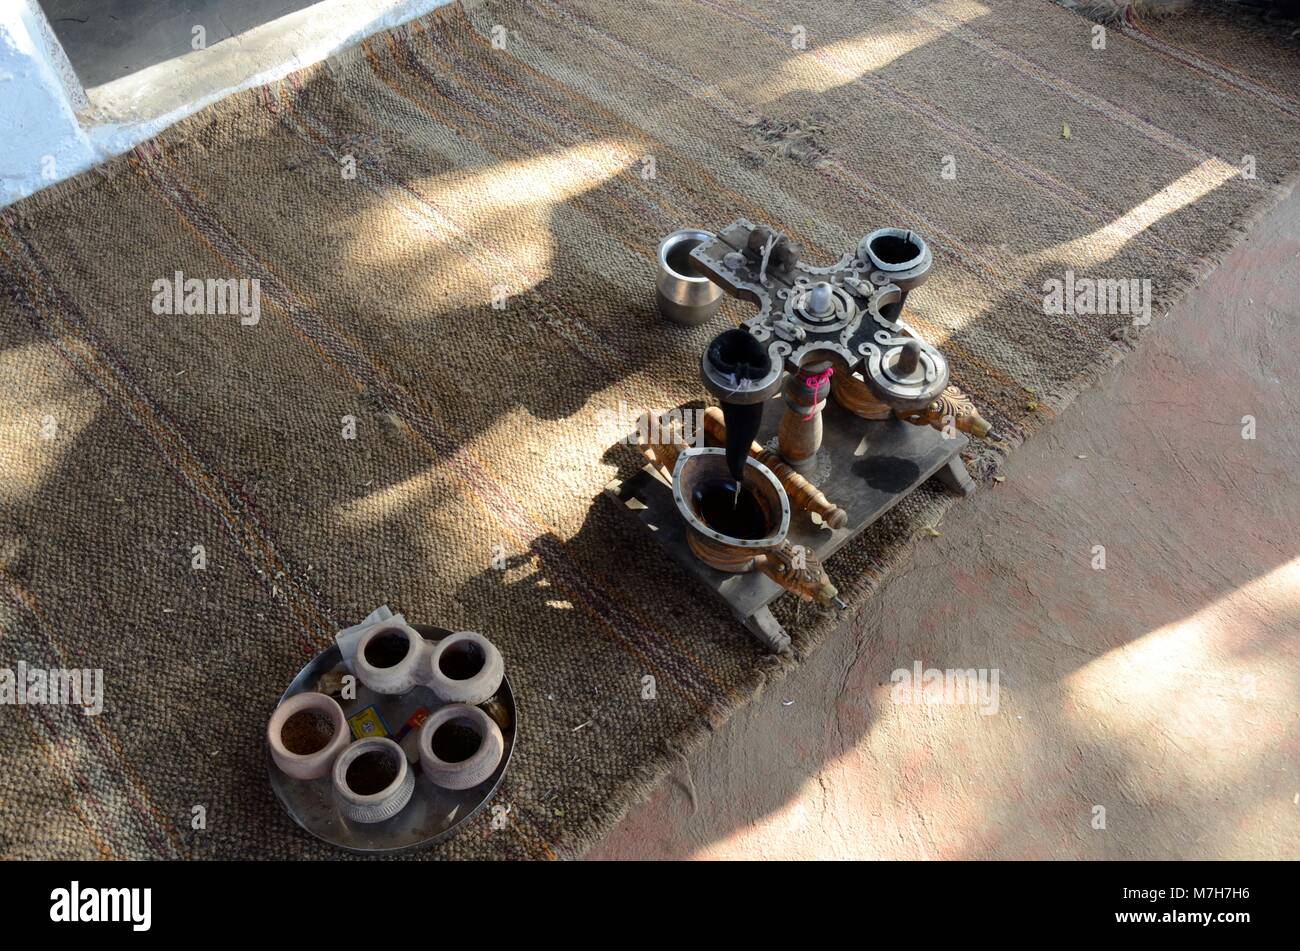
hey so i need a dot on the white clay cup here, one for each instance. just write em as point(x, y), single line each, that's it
point(388, 658)
point(465, 668)
point(309, 745)
point(460, 747)
point(372, 780)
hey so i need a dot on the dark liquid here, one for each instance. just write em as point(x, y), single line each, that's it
point(387, 649)
point(371, 772)
point(894, 250)
point(720, 508)
point(454, 742)
point(461, 661)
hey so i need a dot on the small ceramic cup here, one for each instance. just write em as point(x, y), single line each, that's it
point(372, 780)
point(390, 658)
point(464, 667)
point(460, 747)
point(316, 735)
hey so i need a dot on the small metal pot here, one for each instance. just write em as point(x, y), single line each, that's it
point(903, 257)
point(895, 250)
point(684, 295)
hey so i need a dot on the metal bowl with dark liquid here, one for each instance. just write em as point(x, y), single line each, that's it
point(726, 528)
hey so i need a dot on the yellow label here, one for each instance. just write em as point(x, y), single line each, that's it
point(367, 723)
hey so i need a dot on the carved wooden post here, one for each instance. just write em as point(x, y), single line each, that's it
point(800, 434)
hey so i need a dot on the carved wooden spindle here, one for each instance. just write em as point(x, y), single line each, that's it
point(662, 451)
point(800, 434)
point(800, 571)
point(852, 393)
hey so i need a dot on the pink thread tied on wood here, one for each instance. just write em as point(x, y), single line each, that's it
point(815, 382)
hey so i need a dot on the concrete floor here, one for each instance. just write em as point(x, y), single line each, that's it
point(1161, 688)
point(107, 39)
point(137, 60)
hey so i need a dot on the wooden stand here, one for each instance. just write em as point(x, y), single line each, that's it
point(864, 466)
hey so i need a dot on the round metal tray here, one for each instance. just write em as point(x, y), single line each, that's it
point(433, 814)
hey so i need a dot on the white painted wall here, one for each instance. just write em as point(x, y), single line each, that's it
point(41, 140)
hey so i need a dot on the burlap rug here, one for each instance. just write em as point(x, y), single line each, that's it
point(529, 155)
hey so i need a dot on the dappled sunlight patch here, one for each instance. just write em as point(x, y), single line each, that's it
point(1107, 241)
point(488, 234)
point(40, 423)
point(836, 64)
point(1193, 684)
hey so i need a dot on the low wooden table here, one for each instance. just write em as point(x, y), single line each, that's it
point(864, 466)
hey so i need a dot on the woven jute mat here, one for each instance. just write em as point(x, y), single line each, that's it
point(452, 228)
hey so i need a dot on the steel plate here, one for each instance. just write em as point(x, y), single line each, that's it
point(433, 814)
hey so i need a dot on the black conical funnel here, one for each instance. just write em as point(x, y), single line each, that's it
point(742, 420)
point(737, 358)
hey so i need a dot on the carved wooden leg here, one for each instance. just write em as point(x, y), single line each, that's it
point(955, 477)
point(769, 633)
point(800, 436)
